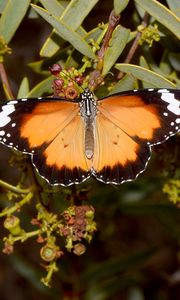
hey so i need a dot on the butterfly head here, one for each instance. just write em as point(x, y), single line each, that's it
point(87, 103)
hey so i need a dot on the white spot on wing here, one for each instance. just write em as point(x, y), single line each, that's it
point(13, 124)
point(178, 121)
point(4, 115)
point(8, 109)
point(174, 104)
point(2, 132)
point(163, 91)
point(12, 102)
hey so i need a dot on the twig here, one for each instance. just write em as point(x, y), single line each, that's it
point(13, 188)
point(135, 44)
point(5, 81)
point(12, 209)
point(113, 22)
point(96, 77)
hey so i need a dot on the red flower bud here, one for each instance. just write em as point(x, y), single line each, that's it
point(55, 69)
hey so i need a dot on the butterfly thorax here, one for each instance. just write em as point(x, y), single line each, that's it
point(87, 105)
point(88, 112)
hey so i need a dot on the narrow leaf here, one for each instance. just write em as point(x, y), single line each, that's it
point(24, 88)
point(75, 13)
point(174, 5)
point(119, 6)
point(66, 32)
point(53, 6)
point(96, 34)
point(154, 79)
point(2, 5)
point(41, 88)
point(12, 16)
point(125, 84)
point(162, 14)
point(117, 44)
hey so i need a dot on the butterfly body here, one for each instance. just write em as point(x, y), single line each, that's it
point(88, 111)
point(108, 138)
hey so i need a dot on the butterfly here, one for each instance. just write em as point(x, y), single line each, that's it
point(109, 138)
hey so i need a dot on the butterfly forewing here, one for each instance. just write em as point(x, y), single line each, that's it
point(151, 116)
point(52, 131)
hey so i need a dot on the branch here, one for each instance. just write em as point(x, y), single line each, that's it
point(5, 82)
point(13, 188)
point(134, 45)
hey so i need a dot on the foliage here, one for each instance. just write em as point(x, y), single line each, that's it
point(134, 253)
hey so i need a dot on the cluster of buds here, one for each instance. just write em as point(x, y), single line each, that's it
point(149, 34)
point(78, 225)
point(66, 83)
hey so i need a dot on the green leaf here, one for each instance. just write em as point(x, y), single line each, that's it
point(125, 84)
point(153, 79)
point(66, 32)
point(116, 45)
point(77, 10)
point(42, 87)
point(54, 41)
point(24, 88)
point(143, 63)
point(12, 16)
point(162, 14)
point(73, 15)
point(96, 34)
point(175, 60)
point(174, 6)
point(51, 45)
point(2, 5)
point(53, 6)
point(119, 6)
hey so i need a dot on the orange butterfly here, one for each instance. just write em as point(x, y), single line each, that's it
point(109, 138)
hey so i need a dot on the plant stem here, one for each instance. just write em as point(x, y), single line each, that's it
point(13, 188)
point(113, 22)
point(16, 206)
point(5, 82)
point(134, 45)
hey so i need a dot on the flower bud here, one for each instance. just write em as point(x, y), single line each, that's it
point(79, 249)
point(12, 223)
point(48, 252)
point(55, 69)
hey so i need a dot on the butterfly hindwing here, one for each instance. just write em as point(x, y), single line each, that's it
point(63, 160)
point(117, 157)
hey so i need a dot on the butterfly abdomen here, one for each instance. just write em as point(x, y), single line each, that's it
point(89, 138)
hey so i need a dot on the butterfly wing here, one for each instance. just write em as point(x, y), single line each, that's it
point(52, 132)
point(128, 124)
